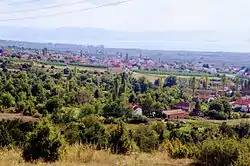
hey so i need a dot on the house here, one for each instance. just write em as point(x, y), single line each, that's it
point(205, 98)
point(137, 110)
point(185, 106)
point(175, 114)
point(243, 105)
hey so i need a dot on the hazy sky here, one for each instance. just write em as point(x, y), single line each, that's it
point(137, 15)
point(226, 20)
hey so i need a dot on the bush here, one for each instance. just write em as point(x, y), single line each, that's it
point(235, 115)
point(176, 149)
point(245, 116)
point(137, 119)
point(160, 129)
point(72, 133)
point(5, 137)
point(14, 132)
point(65, 115)
point(221, 152)
point(44, 143)
point(243, 130)
point(7, 100)
point(54, 104)
point(111, 120)
point(93, 132)
point(170, 126)
point(90, 130)
point(146, 138)
point(218, 115)
point(120, 140)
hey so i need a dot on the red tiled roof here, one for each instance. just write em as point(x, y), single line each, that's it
point(203, 96)
point(242, 102)
point(174, 112)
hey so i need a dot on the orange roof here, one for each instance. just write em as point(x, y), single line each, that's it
point(242, 102)
point(203, 96)
point(174, 112)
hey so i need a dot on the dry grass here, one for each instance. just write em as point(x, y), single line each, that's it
point(84, 156)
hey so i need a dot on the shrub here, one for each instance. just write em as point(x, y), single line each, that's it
point(14, 132)
point(218, 115)
point(170, 126)
point(90, 130)
point(72, 132)
point(120, 140)
point(220, 152)
point(146, 138)
point(137, 119)
point(176, 149)
point(243, 130)
point(44, 143)
point(7, 100)
point(65, 115)
point(93, 132)
point(54, 104)
point(5, 137)
point(160, 129)
point(111, 120)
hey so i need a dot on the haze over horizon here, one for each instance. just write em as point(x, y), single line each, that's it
point(209, 25)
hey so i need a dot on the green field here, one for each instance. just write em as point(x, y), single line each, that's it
point(206, 123)
point(153, 77)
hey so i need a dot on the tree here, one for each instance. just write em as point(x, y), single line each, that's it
point(5, 137)
point(206, 77)
point(93, 132)
point(237, 82)
point(44, 143)
point(7, 100)
point(114, 109)
point(224, 81)
point(116, 88)
point(54, 104)
point(159, 83)
point(146, 138)
point(147, 104)
point(170, 81)
point(216, 105)
point(120, 141)
point(193, 85)
point(222, 152)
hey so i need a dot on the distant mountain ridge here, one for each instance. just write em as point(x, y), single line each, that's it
point(110, 38)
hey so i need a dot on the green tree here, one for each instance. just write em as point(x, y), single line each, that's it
point(146, 138)
point(224, 80)
point(44, 143)
point(170, 81)
point(147, 104)
point(193, 84)
point(206, 77)
point(117, 88)
point(7, 100)
point(54, 104)
point(237, 82)
point(120, 140)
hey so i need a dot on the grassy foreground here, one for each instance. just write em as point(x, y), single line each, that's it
point(80, 155)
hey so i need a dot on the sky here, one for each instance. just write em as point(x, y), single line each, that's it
point(136, 15)
point(229, 19)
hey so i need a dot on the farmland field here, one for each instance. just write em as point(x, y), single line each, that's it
point(153, 77)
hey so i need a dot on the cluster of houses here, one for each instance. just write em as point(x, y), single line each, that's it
point(128, 62)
